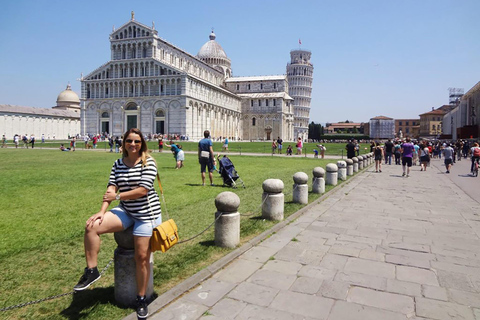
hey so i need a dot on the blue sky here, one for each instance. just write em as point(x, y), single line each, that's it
point(371, 57)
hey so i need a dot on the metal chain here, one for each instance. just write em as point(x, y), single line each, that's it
point(186, 240)
point(21, 305)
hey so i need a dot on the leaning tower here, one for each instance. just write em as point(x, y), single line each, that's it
point(300, 77)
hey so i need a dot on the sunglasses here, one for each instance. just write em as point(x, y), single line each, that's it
point(133, 141)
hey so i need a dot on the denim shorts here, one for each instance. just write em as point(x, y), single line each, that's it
point(140, 228)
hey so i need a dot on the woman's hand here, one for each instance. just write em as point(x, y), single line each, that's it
point(95, 217)
point(109, 196)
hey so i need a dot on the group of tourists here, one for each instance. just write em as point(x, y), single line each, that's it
point(407, 153)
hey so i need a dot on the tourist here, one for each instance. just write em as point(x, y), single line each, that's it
point(205, 156)
point(388, 151)
point(85, 139)
point(94, 141)
point(180, 157)
point(279, 145)
point(110, 143)
point(62, 148)
point(16, 140)
point(4, 141)
point(397, 151)
point(160, 145)
point(424, 157)
point(32, 141)
point(350, 147)
point(274, 146)
point(25, 141)
point(448, 154)
point(299, 146)
point(174, 148)
point(131, 182)
point(475, 152)
point(407, 149)
point(321, 149)
point(378, 152)
point(225, 145)
point(74, 143)
point(289, 150)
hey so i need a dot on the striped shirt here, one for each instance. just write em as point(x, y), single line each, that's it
point(126, 179)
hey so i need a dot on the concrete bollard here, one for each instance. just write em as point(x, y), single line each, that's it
point(365, 161)
point(355, 164)
point(273, 199)
point(227, 227)
point(349, 167)
point(360, 162)
point(300, 188)
point(370, 158)
point(318, 183)
point(342, 170)
point(125, 287)
point(332, 174)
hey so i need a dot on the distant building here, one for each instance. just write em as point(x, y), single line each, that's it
point(344, 127)
point(431, 122)
point(59, 122)
point(462, 122)
point(407, 127)
point(382, 127)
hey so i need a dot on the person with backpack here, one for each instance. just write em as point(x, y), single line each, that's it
point(475, 152)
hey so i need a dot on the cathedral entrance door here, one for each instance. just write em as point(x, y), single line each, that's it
point(132, 122)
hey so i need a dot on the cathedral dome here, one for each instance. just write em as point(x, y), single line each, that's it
point(67, 96)
point(211, 49)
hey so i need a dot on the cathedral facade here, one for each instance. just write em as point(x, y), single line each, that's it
point(157, 87)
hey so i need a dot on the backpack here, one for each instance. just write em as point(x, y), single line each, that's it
point(476, 152)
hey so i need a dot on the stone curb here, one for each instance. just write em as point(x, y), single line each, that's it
point(171, 295)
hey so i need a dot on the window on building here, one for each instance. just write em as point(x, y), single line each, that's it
point(248, 87)
point(266, 102)
point(251, 103)
point(259, 102)
point(105, 115)
point(261, 86)
point(238, 87)
point(406, 123)
point(399, 123)
point(253, 122)
point(407, 130)
point(274, 86)
point(274, 102)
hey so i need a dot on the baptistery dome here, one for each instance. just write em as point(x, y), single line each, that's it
point(213, 54)
point(68, 99)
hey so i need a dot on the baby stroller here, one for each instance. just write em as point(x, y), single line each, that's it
point(228, 172)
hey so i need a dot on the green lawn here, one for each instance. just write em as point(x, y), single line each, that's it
point(47, 195)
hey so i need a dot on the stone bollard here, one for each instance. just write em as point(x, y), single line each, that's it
point(300, 188)
point(355, 164)
point(342, 170)
point(332, 174)
point(273, 199)
point(360, 162)
point(365, 161)
point(318, 183)
point(227, 227)
point(125, 289)
point(349, 167)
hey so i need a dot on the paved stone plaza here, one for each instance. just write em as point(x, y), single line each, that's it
point(379, 247)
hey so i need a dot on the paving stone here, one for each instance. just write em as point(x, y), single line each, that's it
point(259, 254)
point(476, 312)
point(382, 300)
point(209, 292)
point(316, 272)
point(334, 289)
point(306, 285)
point(410, 247)
point(272, 279)
point(180, 309)
point(442, 310)
point(351, 311)
point(296, 253)
point(303, 304)
point(407, 261)
point(403, 287)
point(359, 239)
point(466, 298)
point(344, 251)
point(406, 253)
point(447, 266)
point(455, 281)
point(238, 271)
point(433, 292)
point(285, 267)
point(253, 294)
point(362, 280)
point(252, 312)
point(369, 267)
point(371, 255)
point(416, 275)
point(227, 308)
point(333, 261)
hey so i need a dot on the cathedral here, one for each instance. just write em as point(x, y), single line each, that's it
point(159, 88)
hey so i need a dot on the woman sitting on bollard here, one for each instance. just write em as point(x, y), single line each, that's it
point(131, 182)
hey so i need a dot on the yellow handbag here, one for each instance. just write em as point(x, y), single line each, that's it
point(165, 235)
